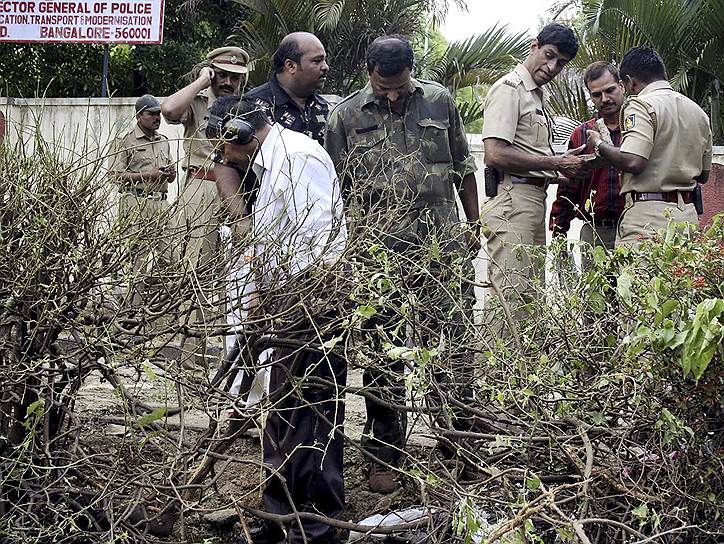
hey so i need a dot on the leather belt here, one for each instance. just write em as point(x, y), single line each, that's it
point(669, 196)
point(194, 172)
point(538, 182)
point(606, 223)
point(151, 195)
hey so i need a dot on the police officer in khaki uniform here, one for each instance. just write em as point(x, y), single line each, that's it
point(666, 149)
point(141, 165)
point(518, 145)
point(198, 219)
point(400, 149)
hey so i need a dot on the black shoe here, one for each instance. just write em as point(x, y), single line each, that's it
point(266, 532)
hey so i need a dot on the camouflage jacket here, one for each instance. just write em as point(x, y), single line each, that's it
point(400, 170)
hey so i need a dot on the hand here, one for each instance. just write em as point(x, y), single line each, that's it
point(572, 165)
point(594, 137)
point(472, 236)
point(206, 75)
point(168, 173)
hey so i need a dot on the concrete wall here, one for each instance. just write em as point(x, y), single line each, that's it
point(83, 127)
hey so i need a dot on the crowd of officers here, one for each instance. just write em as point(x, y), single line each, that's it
point(627, 172)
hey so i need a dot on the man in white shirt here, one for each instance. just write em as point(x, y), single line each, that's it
point(298, 234)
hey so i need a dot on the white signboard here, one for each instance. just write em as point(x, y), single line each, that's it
point(82, 21)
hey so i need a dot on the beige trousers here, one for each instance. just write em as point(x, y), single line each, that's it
point(513, 222)
point(642, 220)
point(146, 223)
point(200, 257)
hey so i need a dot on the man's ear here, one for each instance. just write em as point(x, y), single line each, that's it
point(534, 44)
point(291, 65)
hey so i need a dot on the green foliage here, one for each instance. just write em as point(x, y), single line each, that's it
point(680, 310)
point(345, 27)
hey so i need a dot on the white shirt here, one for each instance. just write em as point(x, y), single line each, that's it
point(298, 214)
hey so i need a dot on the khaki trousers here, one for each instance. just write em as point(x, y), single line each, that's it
point(146, 222)
point(642, 220)
point(515, 217)
point(200, 256)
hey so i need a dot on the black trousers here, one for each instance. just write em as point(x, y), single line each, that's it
point(433, 314)
point(300, 444)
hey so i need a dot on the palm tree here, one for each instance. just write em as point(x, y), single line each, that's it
point(347, 27)
point(689, 35)
point(476, 63)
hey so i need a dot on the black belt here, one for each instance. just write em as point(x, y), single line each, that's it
point(151, 195)
point(669, 196)
point(605, 223)
point(538, 182)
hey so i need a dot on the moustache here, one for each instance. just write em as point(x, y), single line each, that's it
point(226, 88)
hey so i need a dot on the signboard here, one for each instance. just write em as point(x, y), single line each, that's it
point(82, 21)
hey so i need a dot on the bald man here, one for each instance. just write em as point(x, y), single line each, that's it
point(291, 96)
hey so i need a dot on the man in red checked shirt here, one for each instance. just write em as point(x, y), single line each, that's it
point(603, 186)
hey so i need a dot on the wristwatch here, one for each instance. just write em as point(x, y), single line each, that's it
point(597, 146)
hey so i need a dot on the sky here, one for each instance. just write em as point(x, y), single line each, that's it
point(482, 14)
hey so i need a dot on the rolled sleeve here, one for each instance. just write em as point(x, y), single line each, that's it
point(638, 139)
point(501, 113)
point(184, 119)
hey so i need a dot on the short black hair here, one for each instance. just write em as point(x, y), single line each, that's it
point(561, 36)
point(643, 63)
point(598, 69)
point(390, 55)
point(248, 110)
point(288, 49)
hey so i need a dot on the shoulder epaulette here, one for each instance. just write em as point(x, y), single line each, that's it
point(513, 79)
point(348, 97)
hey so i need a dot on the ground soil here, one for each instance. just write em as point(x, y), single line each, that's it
point(102, 411)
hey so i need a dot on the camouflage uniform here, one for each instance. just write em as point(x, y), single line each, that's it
point(399, 174)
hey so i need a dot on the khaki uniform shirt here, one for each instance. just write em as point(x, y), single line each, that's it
point(515, 112)
point(136, 152)
point(408, 163)
point(198, 149)
point(678, 149)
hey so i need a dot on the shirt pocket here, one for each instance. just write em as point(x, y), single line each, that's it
point(434, 140)
point(365, 150)
point(140, 159)
point(538, 129)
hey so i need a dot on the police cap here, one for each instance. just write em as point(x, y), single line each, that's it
point(147, 103)
point(229, 59)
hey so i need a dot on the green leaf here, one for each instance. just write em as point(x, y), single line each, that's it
point(641, 512)
point(597, 302)
point(157, 414)
point(533, 483)
point(623, 286)
point(365, 311)
point(599, 255)
point(329, 344)
point(668, 307)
